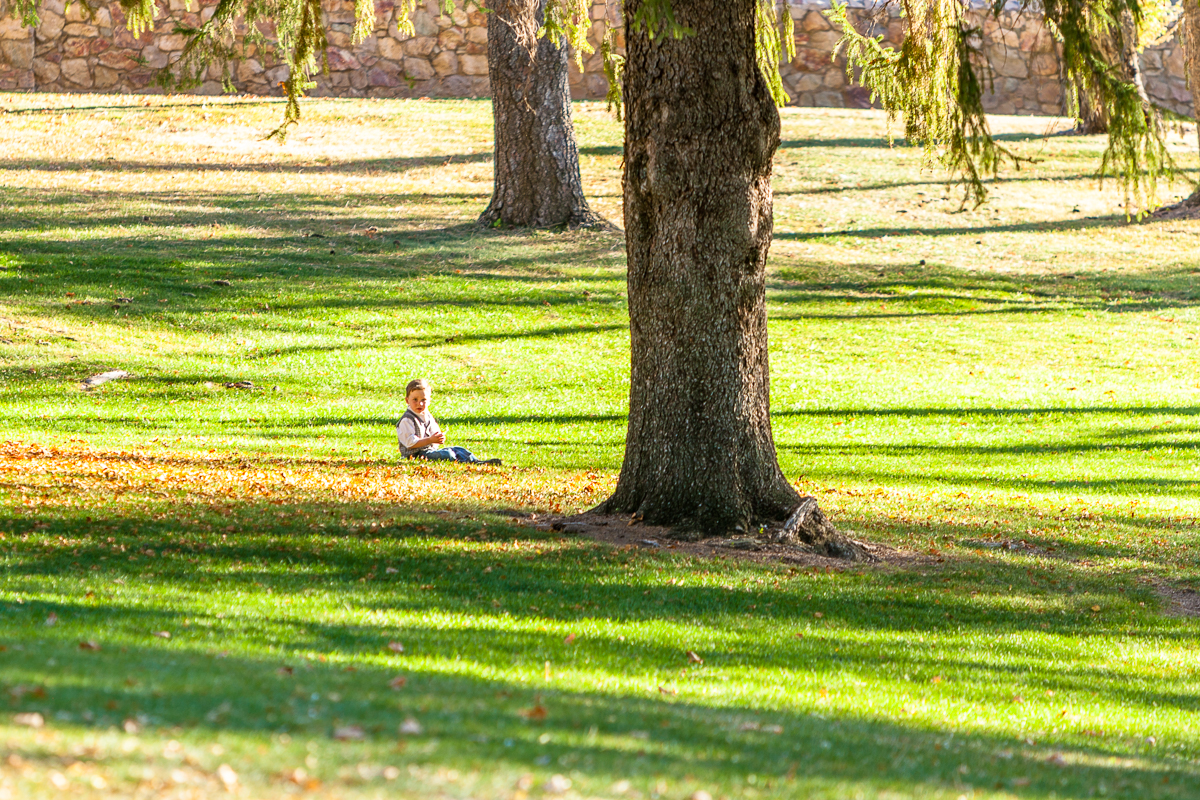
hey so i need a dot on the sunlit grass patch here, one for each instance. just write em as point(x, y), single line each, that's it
point(196, 576)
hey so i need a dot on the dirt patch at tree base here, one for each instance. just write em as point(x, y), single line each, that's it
point(620, 531)
point(1178, 601)
point(1184, 209)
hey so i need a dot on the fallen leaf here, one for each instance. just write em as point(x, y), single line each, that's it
point(348, 733)
point(131, 726)
point(1095, 608)
point(411, 727)
point(570, 638)
point(1019, 782)
point(668, 690)
point(162, 634)
point(227, 776)
point(557, 784)
point(90, 644)
point(30, 719)
point(391, 571)
point(536, 713)
point(395, 647)
point(52, 618)
point(693, 658)
point(398, 682)
point(1057, 760)
point(285, 671)
point(818, 614)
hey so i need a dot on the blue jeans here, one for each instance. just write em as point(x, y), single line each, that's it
point(461, 454)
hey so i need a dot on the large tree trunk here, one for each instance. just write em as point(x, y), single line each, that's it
point(700, 133)
point(537, 182)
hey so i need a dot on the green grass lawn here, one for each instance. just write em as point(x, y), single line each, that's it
point(194, 576)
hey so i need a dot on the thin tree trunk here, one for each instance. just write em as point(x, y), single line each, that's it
point(700, 133)
point(1191, 55)
point(1124, 51)
point(537, 181)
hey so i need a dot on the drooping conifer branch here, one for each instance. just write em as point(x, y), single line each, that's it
point(935, 82)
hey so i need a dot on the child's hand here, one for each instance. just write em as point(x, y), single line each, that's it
point(438, 438)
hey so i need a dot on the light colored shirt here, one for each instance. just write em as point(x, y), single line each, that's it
point(412, 428)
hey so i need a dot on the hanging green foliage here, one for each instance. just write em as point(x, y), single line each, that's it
point(771, 42)
point(936, 80)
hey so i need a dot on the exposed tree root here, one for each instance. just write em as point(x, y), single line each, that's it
point(809, 527)
point(1188, 208)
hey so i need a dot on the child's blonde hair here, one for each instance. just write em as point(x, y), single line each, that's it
point(413, 385)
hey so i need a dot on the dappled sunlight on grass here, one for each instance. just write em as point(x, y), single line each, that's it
point(194, 576)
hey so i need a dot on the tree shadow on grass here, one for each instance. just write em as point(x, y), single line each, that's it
point(596, 736)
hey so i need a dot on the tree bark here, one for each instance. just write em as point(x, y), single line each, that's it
point(700, 134)
point(537, 180)
point(1191, 55)
point(1124, 52)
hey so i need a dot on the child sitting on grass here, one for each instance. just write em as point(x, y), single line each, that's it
point(419, 433)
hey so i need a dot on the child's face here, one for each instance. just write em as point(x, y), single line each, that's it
point(418, 401)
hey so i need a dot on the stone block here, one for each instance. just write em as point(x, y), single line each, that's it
point(422, 47)
point(341, 60)
point(815, 21)
point(424, 23)
point(80, 29)
point(76, 71)
point(450, 39)
point(153, 57)
point(391, 49)
point(50, 26)
point(445, 63)
point(1152, 60)
point(171, 42)
point(1050, 93)
point(105, 78)
point(102, 18)
point(857, 97)
point(380, 76)
point(1045, 65)
point(457, 86)
point(478, 19)
point(338, 39)
point(18, 53)
point(829, 100)
point(121, 60)
point(459, 17)
point(1011, 65)
point(54, 6)
point(418, 69)
point(277, 75)
point(46, 71)
point(249, 69)
point(76, 47)
point(11, 28)
point(76, 12)
point(473, 49)
point(807, 82)
point(1174, 64)
point(597, 86)
point(473, 65)
point(477, 35)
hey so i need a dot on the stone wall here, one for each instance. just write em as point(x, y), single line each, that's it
point(447, 56)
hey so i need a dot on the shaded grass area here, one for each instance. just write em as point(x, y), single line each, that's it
point(1007, 393)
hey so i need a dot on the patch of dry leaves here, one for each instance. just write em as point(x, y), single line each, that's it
point(77, 475)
